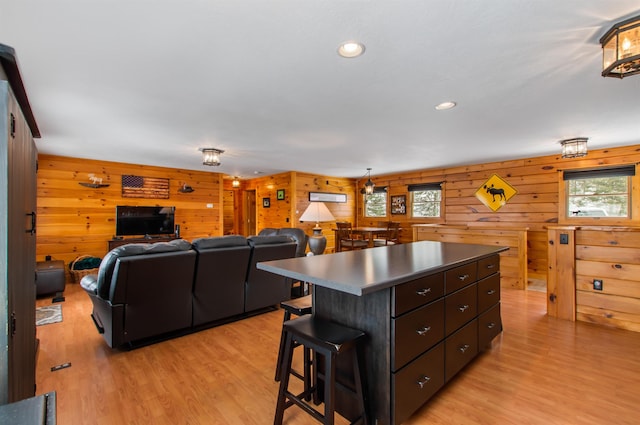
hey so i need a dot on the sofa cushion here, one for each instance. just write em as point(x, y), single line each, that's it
point(105, 272)
point(219, 242)
point(265, 240)
point(298, 236)
point(269, 231)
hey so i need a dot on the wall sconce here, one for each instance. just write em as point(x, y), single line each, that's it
point(235, 183)
point(96, 182)
point(185, 188)
point(369, 185)
point(211, 156)
point(621, 49)
point(574, 148)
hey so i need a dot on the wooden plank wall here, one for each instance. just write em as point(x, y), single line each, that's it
point(612, 255)
point(73, 220)
point(534, 206)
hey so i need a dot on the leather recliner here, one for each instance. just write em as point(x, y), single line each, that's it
point(263, 288)
point(294, 233)
point(142, 290)
point(221, 270)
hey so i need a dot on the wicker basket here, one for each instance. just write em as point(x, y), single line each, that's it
point(77, 275)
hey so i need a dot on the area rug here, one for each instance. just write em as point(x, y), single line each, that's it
point(48, 314)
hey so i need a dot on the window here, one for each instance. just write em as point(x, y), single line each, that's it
point(601, 192)
point(375, 205)
point(426, 200)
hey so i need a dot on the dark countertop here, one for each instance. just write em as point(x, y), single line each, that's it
point(365, 271)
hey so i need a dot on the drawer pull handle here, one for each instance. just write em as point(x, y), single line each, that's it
point(463, 308)
point(423, 292)
point(491, 291)
point(423, 381)
point(491, 325)
point(464, 348)
point(490, 266)
point(423, 331)
point(463, 277)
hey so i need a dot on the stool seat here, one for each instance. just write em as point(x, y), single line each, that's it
point(322, 334)
point(329, 340)
point(298, 306)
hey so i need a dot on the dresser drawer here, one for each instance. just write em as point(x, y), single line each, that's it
point(416, 383)
point(489, 326)
point(460, 307)
point(488, 266)
point(416, 293)
point(460, 277)
point(460, 348)
point(488, 292)
point(416, 332)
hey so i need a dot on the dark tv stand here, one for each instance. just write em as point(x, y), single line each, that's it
point(114, 243)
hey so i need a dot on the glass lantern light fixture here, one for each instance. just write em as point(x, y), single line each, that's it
point(369, 185)
point(211, 156)
point(235, 183)
point(621, 49)
point(574, 148)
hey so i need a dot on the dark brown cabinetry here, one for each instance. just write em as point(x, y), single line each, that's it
point(18, 164)
point(421, 332)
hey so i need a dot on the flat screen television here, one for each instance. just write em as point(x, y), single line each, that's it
point(142, 221)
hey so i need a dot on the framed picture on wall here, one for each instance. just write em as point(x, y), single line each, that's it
point(327, 197)
point(280, 194)
point(398, 204)
point(266, 202)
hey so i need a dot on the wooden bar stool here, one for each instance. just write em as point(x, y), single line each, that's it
point(329, 340)
point(300, 307)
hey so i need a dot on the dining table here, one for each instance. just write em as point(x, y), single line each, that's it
point(368, 233)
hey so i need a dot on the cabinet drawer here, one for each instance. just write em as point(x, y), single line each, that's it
point(488, 292)
point(416, 332)
point(460, 277)
point(416, 293)
point(460, 307)
point(416, 383)
point(489, 326)
point(488, 266)
point(460, 349)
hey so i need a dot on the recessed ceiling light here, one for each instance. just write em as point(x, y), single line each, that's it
point(445, 105)
point(351, 49)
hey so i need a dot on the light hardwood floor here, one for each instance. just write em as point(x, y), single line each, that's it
point(539, 371)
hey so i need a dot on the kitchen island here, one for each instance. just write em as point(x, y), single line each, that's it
point(427, 307)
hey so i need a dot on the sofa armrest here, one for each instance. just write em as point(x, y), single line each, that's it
point(90, 283)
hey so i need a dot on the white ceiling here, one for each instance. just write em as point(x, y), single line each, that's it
point(151, 81)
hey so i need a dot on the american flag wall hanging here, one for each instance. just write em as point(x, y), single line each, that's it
point(145, 187)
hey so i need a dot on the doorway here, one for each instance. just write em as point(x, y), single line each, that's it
point(249, 212)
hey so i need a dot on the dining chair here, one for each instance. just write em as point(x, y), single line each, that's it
point(346, 240)
point(391, 236)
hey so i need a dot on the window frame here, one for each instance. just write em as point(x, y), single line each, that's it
point(427, 186)
point(633, 193)
point(377, 190)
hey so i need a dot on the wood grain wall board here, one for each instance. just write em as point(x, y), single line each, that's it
point(603, 316)
point(605, 270)
point(611, 286)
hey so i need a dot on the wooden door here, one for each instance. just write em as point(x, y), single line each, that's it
point(249, 212)
point(18, 203)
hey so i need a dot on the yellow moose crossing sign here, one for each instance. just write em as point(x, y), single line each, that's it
point(495, 192)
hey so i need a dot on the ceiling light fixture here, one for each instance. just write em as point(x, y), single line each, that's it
point(445, 105)
point(574, 148)
point(211, 156)
point(235, 182)
point(369, 185)
point(621, 49)
point(351, 49)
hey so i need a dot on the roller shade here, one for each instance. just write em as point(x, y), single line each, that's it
point(597, 173)
point(424, 186)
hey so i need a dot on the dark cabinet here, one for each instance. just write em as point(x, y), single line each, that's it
point(18, 166)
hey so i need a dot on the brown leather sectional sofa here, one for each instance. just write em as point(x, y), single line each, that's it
point(146, 292)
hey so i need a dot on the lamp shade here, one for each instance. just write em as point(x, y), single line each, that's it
point(317, 211)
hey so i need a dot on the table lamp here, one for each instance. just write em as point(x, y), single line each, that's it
point(317, 211)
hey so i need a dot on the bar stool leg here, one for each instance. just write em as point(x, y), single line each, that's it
point(330, 389)
point(284, 381)
point(283, 337)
